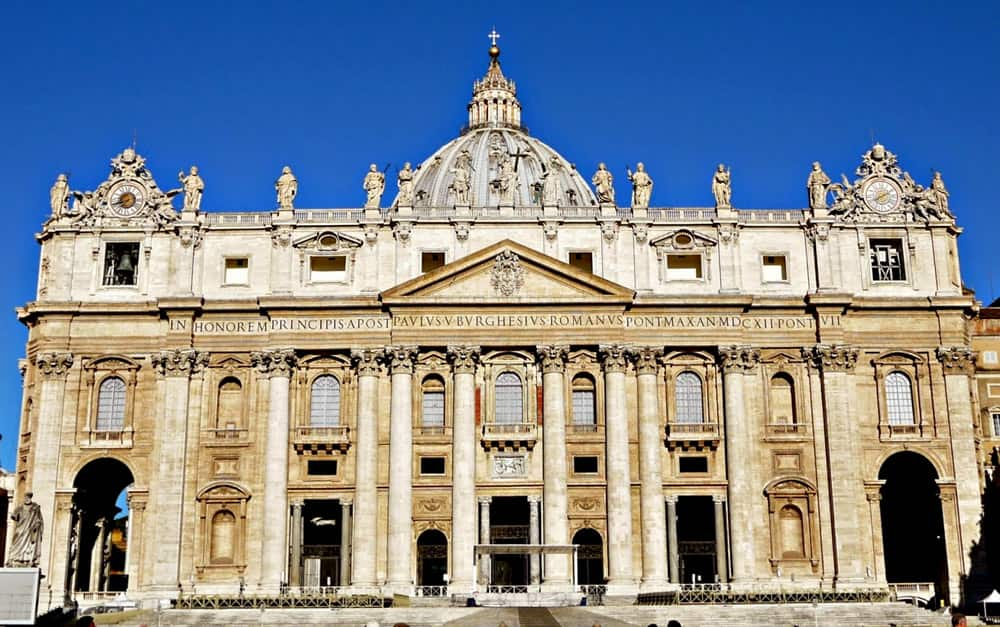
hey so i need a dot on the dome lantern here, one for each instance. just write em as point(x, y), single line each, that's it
point(494, 97)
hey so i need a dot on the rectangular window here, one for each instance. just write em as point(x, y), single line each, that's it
point(775, 269)
point(237, 271)
point(683, 267)
point(582, 261)
point(692, 464)
point(993, 390)
point(887, 260)
point(432, 465)
point(431, 261)
point(995, 417)
point(585, 465)
point(328, 269)
point(322, 468)
point(989, 357)
point(121, 263)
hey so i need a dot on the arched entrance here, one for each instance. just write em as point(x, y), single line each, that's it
point(590, 557)
point(913, 537)
point(99, 536)
point(432, 558)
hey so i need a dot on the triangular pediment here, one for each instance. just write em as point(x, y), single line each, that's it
point(508, 272)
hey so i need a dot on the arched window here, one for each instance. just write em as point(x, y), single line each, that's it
point(509, 406)
point(792, 539)
point(223, 546)
point(782, 400)
point(229, 410)
point(111, 405)
point(432, 406)
point(324, 406)
point(584, 408)
point(899, 399)
point(688, 399)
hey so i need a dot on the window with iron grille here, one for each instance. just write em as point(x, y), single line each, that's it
point(324, 405)
point(899, 399)
point(688, 398)
point(111, 405)
point(509, 405)
point(887, 260)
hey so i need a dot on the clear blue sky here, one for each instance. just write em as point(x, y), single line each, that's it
point(241, 89)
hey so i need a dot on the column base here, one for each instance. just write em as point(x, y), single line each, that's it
point(655, 585)
point(556, 586)
point(622, 588)
point(405, 589)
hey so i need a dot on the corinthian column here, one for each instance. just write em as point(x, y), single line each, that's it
point(175, 368)
point(401, 468)
point(618, 475)
point(554, 501)
point(654, 533)
point(53, 368)
point(277, 366)
point(735, 361)
point(463, 470)
point(365, 470)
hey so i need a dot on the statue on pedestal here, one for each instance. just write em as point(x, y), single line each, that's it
point(604, 184)
point(374, 185)
point(818, 185)
point(722, 186)
point(26, 543)
point(404, 180)
point(59, 195)
point(461, 183)
point(552, 191)
point(940, 194)
point(506, 181)
point(193, 189)
point(287, 186)
point(642, 186)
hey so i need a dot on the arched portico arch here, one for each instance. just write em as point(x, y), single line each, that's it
point(590, 560)
point(432, 558)
point(99, 534)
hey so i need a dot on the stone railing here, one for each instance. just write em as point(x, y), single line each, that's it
point(785, 430)
point(118, 438)
point(329, 216)
point(889, 431)
point(326, 438)
point(783, 216)
point(245, 219)
point(229, 435)
point(918, 593)
point(697, 435)
point(509, 435)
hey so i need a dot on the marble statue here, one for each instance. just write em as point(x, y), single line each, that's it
point(374, 185)
point(26, 542)
point(552, 191)
point(462, 177)
point(287, 186)
point(404, 180)
point(83, 204)
point(59, 195)
point(506, 181)
point(642, 186)
point(193, 189)
point(940, 193)
point(604, 184)
point(818, 185)
point(722, 186)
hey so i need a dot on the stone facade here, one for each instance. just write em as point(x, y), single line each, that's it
point(311, 396)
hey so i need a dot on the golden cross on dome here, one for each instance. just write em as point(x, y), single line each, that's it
point(494, 35)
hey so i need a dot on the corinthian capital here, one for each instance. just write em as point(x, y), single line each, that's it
point(738, 358)
point(401, 358)
point(614, 357)
point(831, 357)
point(957, 359)
point(274, 363)
point(368, 361)
point(54, 365)
point(552, 358)
point(179, 362)
point(646, 359)
point(463, 358)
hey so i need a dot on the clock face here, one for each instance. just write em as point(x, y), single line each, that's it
point(126, 199)
point(882, 195)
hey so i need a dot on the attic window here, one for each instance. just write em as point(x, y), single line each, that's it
point(774, 269)
point(328, 269)
point(431, 261)
point(683, 267)
point(582, 261)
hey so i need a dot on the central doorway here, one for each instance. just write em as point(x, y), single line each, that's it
point(432, 558)
point(696, 539)
point(509, 517)
point(590, 559)
point(321, 551)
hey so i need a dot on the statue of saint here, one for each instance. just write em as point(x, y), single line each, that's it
point(940, 194)
point(506, 181)
point(642, 186)
point(462, 179)
point(193, 189)
point(287, 186)
point(404, 180)
point(374, 185)
point(59, 195)
point(26, 543)
point(722, 186)
point(818, 184)
point(604, 184)
point(552, 191)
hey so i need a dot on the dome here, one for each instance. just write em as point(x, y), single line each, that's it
point(495, 162)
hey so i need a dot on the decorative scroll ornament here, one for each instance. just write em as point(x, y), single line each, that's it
point(832, 358)
point(54, 364)
point(274, 363)
point(738, 358)
point(552, 358)
point(179, 362)
point(614, 357)
point(507, 276)
point(463, 358)
point(367, 361)
point(401, 358)
point(646, 359)
point(957, 359)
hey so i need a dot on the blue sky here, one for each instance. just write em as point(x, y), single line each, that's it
point(241, 89)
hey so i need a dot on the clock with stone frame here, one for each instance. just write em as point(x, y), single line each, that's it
point(126, 199)
point(881, 195)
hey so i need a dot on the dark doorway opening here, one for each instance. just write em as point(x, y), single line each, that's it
point(99, 532)
point(432, 558)
point(321, 521)
point(696, 539)
point(509, 516)
point(590, 558)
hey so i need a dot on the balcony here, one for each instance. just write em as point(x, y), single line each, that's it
point(230, 436)
point(888, 431)
point(431, 434)
point(509, 436)
point(108, 439)
point(786, 431)
point(581, 432)
point(312, 440)
point(692, 435)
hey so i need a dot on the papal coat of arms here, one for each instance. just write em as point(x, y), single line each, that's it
point(507, 276)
